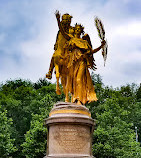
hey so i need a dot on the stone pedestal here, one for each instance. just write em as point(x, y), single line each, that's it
point(70, 129)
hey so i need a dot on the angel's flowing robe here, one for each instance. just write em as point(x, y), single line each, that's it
point(79, 82)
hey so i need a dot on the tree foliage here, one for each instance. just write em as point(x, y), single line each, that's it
point(6, 141)
point(35, 138)
point(24, 106)
point(114, 136)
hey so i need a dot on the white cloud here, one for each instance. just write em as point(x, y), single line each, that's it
point(131, 28)
point(122, 31)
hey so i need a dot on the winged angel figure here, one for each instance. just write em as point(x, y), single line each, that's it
point(78, 58)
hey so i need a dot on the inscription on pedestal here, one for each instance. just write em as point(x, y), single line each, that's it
point(70, 139)
point(73, 138)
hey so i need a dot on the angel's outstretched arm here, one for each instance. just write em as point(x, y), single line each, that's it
point(66, 36)
point(97, 49)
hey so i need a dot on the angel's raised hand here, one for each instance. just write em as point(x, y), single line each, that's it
point(57, 14)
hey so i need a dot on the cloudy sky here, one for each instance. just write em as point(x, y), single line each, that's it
point(28, 31)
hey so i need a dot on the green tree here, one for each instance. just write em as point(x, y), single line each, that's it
point(117, 112)
point(36, 137)
point(23, 99)
point(113, 137)
point(138, 93)
point(15, 98)
point(6, 141)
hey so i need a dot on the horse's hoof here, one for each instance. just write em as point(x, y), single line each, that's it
point(66, 100)
point(49, 76)
point(79, 103)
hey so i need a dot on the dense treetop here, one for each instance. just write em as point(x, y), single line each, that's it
point(24, 106)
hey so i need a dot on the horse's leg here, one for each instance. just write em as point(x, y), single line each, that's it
point(49, 74)
point(66, 96)
point(58, 91)
point(67, 91)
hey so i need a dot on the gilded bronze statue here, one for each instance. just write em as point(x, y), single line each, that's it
point(72, 59)
point(58, 56)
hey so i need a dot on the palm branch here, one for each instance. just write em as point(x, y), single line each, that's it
point(101, 34)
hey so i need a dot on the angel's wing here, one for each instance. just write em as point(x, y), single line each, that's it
point(87, 37)
point(91, 61)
